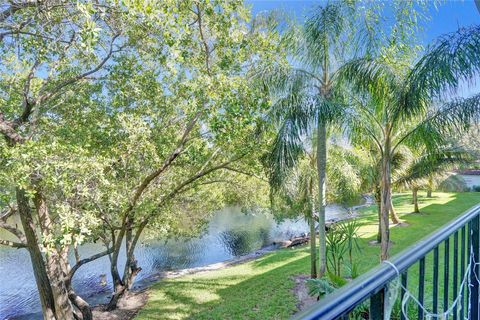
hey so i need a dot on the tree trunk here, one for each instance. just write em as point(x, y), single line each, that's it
point(118, 287)
point(40, 272)
point(379, 211)
point(393, 213)
point(430, 187)
point(122, 285)
point(385, 200)
point(56, 262)
point(81, 305)
point(313, 248)
point(311, 221)
point(429, 193)
point(415, 200)
point(321, 167)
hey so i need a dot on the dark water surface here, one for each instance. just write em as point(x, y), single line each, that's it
point(230, 233)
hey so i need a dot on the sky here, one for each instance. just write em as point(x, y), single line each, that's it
point(444, 18)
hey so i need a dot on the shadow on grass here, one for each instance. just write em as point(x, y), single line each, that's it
point(266, 295)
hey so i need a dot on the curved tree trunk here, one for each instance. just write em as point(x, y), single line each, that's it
point(321, 167)
point(40, 272)
point(393, 213)
point(123, 285)
point(81, 305)
point(385, 200)
point(415, 200)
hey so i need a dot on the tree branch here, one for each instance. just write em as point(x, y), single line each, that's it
point(141, 188)
point(202, 37)
point(14, 7)
point(70, 81)
point(13, 230)
point(87, 260)
point(12, 244)
point(8, 131)
point(246, 173)
point(7, 213)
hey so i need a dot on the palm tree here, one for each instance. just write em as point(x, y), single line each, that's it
point(428, 164)
point(296, 195)
point(304, 97)
point(394, 104)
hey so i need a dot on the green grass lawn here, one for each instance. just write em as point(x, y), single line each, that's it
point(262, 289)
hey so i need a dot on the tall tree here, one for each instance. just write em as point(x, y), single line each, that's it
point(47, 49)
point(187, 117)
point(304, 95)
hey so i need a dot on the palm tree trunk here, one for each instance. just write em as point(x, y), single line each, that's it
point(430, 187)
point(321, 167)
point(311, 221)
point(379, 209)
point(415, 200)
point(385, 200)
point(393, 213)
point(313, 247)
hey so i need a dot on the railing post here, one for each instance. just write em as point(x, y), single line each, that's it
point(474, 301)
point(378, 304)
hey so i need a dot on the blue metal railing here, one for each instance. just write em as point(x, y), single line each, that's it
point(372, 287)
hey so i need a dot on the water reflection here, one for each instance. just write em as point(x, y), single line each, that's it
point(230, 233)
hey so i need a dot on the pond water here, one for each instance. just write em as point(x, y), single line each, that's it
point(230, 233)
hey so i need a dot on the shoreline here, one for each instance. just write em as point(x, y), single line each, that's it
point(249, 256)
point(138, 297)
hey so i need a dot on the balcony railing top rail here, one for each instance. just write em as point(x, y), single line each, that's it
point(342, 301)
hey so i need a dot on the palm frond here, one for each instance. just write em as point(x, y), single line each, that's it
point(431, 163)
point(370, 78)
point(286, 151)
point(452, 118)
point(454, 58)
point(323, 32)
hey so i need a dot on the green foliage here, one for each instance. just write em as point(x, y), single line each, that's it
point(126, 116)
point(344, 175)
point(453, 183)
point(342, 240)
point(319, 287)
point(423, 169)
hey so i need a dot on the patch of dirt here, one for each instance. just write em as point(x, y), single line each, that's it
point(301, 292)
point(128, 307)
point(376, 243)
point(402, 224)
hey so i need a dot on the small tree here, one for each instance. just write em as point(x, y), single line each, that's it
point(422, 169)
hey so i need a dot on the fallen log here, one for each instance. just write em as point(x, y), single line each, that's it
point(294, 241)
